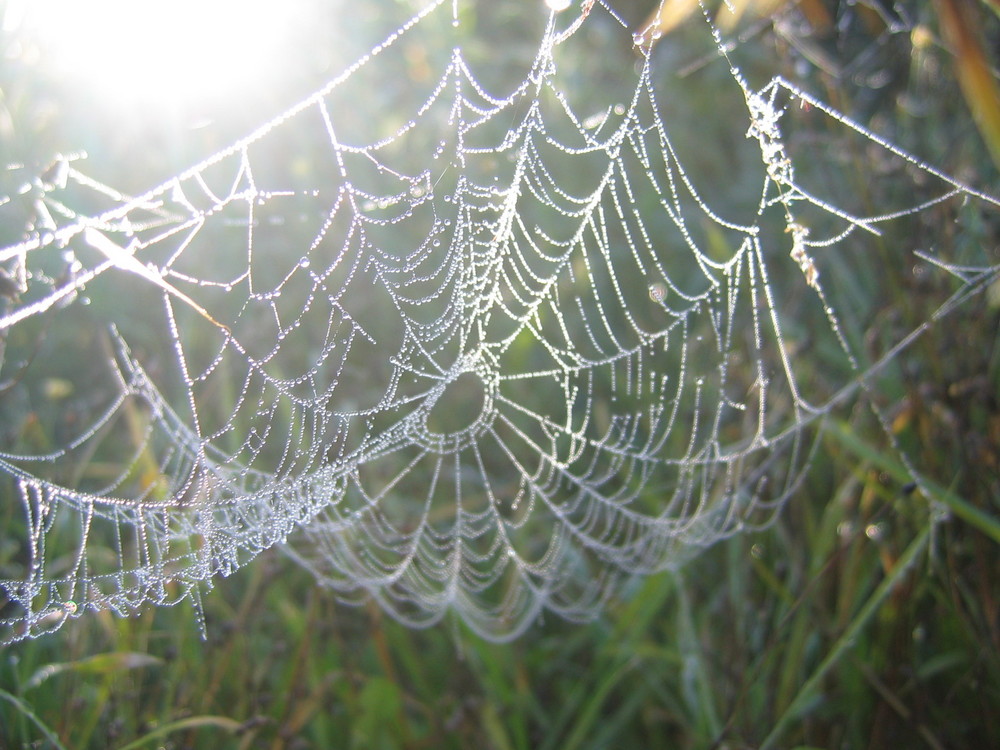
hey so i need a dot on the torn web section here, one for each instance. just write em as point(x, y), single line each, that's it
point(109, 514)
point(887, 224)
point(263, 353)
point(81, 431)
point(864, 216)
point(191, 423)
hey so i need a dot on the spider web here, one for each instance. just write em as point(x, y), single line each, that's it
point(456, 344)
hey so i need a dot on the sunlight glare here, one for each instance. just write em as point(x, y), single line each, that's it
point(143, 52)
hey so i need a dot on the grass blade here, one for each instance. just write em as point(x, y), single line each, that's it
point(192, 722)
point(962, 508)
point(98, 664)
point(846, 641)
point(28, 714)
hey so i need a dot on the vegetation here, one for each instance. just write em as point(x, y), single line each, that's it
point(867, 615)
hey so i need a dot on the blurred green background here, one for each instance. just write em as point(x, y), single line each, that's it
point(868, 615)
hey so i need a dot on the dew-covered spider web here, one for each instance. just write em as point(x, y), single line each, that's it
point(480, 327)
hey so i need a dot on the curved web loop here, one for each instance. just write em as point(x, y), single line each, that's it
point(457, 343)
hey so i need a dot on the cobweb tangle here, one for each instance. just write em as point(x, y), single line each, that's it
point(472, 329)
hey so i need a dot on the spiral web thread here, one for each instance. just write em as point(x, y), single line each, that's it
point(491, 351)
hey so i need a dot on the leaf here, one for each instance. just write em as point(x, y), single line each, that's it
point(975, 75)
point(673, 13)
point(26, 711)
point(807, 695)
point(666, 18)
point(99, 664)
point(960, 507)
point(192, 722)
point(124, 259)
point(378, 722)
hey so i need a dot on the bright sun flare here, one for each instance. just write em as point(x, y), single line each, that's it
point(151, 52)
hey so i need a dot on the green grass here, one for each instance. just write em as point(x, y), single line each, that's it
point(865, 617)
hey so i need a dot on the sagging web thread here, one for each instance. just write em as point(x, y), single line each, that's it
point(490, 351)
